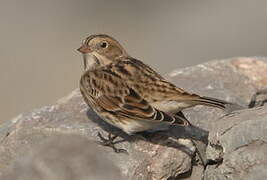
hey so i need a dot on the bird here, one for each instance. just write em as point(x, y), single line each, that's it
point(130, 95)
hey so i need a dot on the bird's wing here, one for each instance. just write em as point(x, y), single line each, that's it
point(114, 94)
point(158, 91)
point(148, 83)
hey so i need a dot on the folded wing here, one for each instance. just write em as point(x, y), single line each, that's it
point(117, 96)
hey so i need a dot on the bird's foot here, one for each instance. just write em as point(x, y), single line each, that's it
point(110, 142)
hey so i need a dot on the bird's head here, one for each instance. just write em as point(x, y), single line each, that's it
point(99, 50)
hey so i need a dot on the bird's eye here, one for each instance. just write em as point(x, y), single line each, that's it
point(104, 44)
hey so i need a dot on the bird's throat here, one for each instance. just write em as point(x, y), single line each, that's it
point(102, 60)
point(90, 62)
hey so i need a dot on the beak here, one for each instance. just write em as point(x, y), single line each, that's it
point(84, 49)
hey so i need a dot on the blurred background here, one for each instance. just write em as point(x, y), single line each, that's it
point(39, 62)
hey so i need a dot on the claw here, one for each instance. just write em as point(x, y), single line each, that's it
point(110, 142)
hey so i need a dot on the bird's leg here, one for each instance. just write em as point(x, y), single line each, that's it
point(110, 142)
point(198, 152)
point(253, 102)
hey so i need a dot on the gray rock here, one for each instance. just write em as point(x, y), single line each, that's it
point(164, 155)
point(240, 140)
point(65, 157)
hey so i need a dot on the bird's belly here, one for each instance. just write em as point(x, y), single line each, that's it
point(134, 126)
point(171, 106)
point(131, 126)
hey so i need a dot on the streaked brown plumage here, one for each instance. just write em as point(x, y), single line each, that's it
point(127, 93)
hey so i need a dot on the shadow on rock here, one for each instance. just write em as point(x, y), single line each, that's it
point(165, 138)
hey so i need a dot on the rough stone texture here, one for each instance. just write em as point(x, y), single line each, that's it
point(64, 157)
point(28, 143)
point(242, 145)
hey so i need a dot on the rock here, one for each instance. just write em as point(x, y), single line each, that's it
point(31, 138)
point(242, 145)
point(65, 157)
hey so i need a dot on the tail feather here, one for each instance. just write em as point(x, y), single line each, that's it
point(227, 106)
point(214, 102)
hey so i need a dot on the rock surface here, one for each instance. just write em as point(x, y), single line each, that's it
point(64, 157)
point(241, 145)
point(59, 141)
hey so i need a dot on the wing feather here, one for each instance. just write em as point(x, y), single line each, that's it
point(114, 94)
